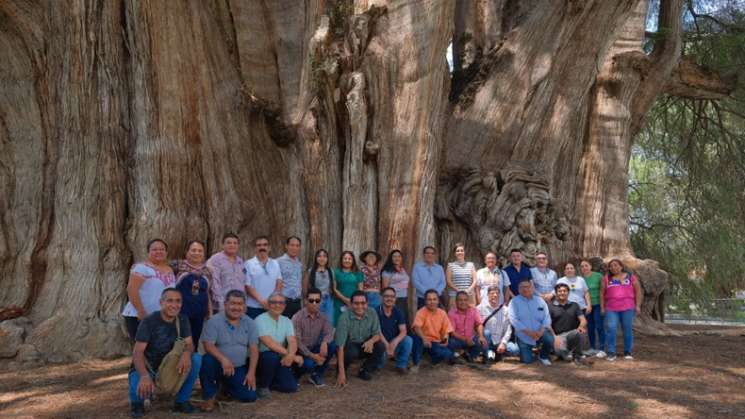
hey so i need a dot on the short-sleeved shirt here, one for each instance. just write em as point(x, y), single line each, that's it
point(263, 278)
point(564, 317)
point(486, 278)
point(346, 282)
point(320, 280)
point(356, 330)
point(154, 284)
point(577, 290)
point(232, 341)
point(619, 293)
point(593, 285)
point(371, 277)
point(390, 326)
point(310, 330)
point(462, 274)
point(465, 323)
point(544, 280)
point(399, 281)
point(516, 276)
point(292, 276)
point(435, 325)
point(160, 336)
point(226, 276)
point(278, 329)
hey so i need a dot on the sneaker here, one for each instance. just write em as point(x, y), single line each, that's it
point(491, 355)
point(263, 393)
point(592, 352)
point(628, 357)
point(601, 354)
point(364, 375)
point(316, 380)
point(138, 410)
point(581, 362)
point(414, 369)
point(569, 357)
point(545, 361)
point(611, 357)
point(183, 407)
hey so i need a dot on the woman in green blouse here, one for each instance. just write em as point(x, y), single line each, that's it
point(595, 318)
point(347, 279)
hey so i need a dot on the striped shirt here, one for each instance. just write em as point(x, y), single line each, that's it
point(226, 276)
point(462, 274)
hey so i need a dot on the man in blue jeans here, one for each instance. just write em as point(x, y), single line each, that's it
point(156, 335)
point(314, 336)
point(431, 331)
point(228, 338)
point(277, 350)
point(530, 317)
point(393, 332)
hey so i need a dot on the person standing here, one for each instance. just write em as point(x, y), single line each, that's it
point(578, 291)
point(395, 276)
point(196, 304)
point(492, 276)
point(321, 277)
point(228, 271)
point(263, 277)
point(291, 269)
point(194, 262)
point(544, 278)
point(595, 329)
point(358, 337)
point(393, 332)
point(314, 338)
point(461, 275)
point(277, 349)
point(428, 275)
point(347, 280)
point(620, 301)
point(371, 277)
point(532, 322)
point(517, 271)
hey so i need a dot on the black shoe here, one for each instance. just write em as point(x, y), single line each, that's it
point(364, 375)
point(184, 407)
point(138, 410)
point(452, 361)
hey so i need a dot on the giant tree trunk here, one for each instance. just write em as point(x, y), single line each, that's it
point(336, 121)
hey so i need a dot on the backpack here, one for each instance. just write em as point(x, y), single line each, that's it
point(167, 379)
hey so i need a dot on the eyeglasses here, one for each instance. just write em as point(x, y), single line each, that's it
point(389, 295)
point(314, 300)
point(359, 303)
point(279, 303)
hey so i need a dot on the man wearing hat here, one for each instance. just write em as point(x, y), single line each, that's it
point(370, 269)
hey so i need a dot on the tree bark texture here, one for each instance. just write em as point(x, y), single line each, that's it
point(337, 121)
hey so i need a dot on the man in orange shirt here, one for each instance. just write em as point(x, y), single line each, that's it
point(431, 327)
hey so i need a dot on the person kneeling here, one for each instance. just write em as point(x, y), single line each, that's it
point(314, 338)
point(532, 322)
point(228, 338)
point(468, 332)
point(358, 337)
point(155, 342)
point(393, 332)
point(569, 325)
point(497, 328)
point(432, 328)
point(277, 349)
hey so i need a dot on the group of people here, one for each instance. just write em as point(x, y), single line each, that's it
point(264, 323)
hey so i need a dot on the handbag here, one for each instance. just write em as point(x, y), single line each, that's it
point(167, 379)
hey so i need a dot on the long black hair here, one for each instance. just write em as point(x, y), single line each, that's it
point(314, 268)
point(389, 266)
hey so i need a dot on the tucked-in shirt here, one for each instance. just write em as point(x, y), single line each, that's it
point(462, 274)
point(356, 330)
point(564, 317)
point(371, 276)
point(516, 276)
point(486, 278)
point(311, 330)
point(620, 294)
point(320, 280)
point(593, 285)
point(435, 325)
point(399, 281)
point(232, 341)
point(465, 323)
point(544, 280)
point(426, 277)
point(263, 278)
point(278, 329)
point(292, 276)
point(528, 314)
point(577, 290)
point(153, 285)
point(160, 336)
point(390, 325)
point(498, 325)
point(226, 276)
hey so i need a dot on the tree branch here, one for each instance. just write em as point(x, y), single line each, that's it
point(692, 81)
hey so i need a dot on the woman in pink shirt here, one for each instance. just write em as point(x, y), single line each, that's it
point(620, 302)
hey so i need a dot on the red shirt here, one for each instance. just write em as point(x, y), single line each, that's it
point(465, 323)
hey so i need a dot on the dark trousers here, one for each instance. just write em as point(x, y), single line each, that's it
point(212, 377)
point(437, 352)
point(354, 351)
point(292, 307)
point(274, 375)
point(254, 312)
point(196, 324)
point(310, 366)
point(475, 350)
point(132, 323)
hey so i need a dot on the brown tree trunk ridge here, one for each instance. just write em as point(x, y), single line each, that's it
point(337, 121)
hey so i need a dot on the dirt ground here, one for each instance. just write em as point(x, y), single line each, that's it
point(697, 375)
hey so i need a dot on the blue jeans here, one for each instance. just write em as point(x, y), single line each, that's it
point(526, 350)
point(254, 312)
point(437, 352)
point(626, 318)
point(327, 308)
point(474, 351)
point(402, 353)
point(183, 394)
point(373, 299)
point(595, 326)
point(211, 376)
point(274, 375)
point(512, 348)
point(310, 365)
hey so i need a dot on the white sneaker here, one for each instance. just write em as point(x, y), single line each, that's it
point(601, 354)
point(591, 352)
point(628, 357)
point(545, 362)
point(611, 358)
point(491, 355)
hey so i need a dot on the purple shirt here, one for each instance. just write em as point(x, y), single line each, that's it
point(226, 276)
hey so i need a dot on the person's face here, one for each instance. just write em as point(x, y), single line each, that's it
point(276, 305)
point(170, 303)
point(371, 259)
point(460, 253)
point(562, 294)
point(262, 248)
point(432, 301)
point(389, 298)
point(397, 259)
point(234, 308)
point(293, 248)
point(585, 267)
point(195, 254)
point(569, 270)
point(346, 261)
point(313, 303)
point(322, 259)
point(490, 260)
point(615, 267)
point(157, 252)
point(516, 258)
point(429, 256)
point(230, 246)
point(493, 297)
point(526, 289)
point(541, 261)
point(359, 305)
point(462, 302)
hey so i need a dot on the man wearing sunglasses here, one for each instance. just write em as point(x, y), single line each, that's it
point(277, 349)
point(314, 338)
point(358, 337)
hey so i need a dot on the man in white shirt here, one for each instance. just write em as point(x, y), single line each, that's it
point(263, 277)
point(497, 329)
